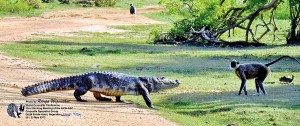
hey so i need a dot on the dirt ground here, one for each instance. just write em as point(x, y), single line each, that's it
point(16, 73)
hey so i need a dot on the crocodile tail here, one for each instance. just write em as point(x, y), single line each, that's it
point(66, 83)
point(269, 64)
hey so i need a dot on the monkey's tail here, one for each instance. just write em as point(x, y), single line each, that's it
point(271, 63)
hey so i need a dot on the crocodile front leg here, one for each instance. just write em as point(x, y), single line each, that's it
point(144, 92)
point(98, 96)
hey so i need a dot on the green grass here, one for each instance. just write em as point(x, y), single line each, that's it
point(22, 9)
point(207, 93)
point(136, 3)
point(163, 16)
point(12, 7)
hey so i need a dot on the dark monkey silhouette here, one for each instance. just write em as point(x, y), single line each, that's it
point(257, 71)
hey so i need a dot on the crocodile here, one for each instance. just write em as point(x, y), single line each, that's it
point(104, 83)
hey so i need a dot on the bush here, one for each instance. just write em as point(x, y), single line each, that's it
point(65, 1)
point(105, 3)
point(86, 3)
point(197, 14)
point(14, 6)
point(34, 3)
point(99, 3)
point(47, 1)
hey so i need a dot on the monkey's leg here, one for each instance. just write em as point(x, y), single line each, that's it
point(243, 84)
point(245, 90)
point(261, 85)
point(243, 78)
point(257, 88)
point(260, 81)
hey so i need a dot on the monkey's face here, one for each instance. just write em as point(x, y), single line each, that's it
point(234, 63)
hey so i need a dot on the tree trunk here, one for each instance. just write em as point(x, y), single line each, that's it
point(294, 34)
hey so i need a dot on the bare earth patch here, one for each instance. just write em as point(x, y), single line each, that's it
point(74, 20)
point(16, 73)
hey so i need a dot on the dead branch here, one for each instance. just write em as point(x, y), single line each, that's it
point(204, 34)
point(231, 19)
point(250, 17)
point(265, 24)
point(190, 8)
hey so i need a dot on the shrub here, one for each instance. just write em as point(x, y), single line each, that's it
point(65, 1)
point(105, 3)
point(47, 1)
point(14, 6)
point(34, 3)
point(86, 3)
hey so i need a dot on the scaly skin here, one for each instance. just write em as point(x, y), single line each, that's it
point(104, 83)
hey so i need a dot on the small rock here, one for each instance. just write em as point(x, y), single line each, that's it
point(232, 124)
point(96, 66)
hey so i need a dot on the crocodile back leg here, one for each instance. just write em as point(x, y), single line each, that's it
point(98, 96)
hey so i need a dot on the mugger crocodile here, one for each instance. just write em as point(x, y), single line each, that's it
point(104, 83)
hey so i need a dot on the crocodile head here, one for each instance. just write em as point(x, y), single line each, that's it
point(157, 83)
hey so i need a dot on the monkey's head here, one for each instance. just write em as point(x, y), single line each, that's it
point(234, 63)
point(131, 4)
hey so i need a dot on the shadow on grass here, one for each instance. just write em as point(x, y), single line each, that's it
point(152, 48)
point(176, 59)
point(131, 48)
point(195, 104)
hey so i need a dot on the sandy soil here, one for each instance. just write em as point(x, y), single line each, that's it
point(74, 20)
point(16, 73)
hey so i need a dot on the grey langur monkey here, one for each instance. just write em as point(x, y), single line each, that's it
point(257, 71)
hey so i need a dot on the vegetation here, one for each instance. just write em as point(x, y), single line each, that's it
point(294, 34)
point(47, 1)
point(136, 3)
point(103, 3)
point(33, 3)
point(29, 7)
point(14, 6)
point(37, 7)
point(207, 93)
point(207, 21)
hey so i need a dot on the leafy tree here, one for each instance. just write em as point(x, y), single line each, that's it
point(209, 20)
point(294, 34)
